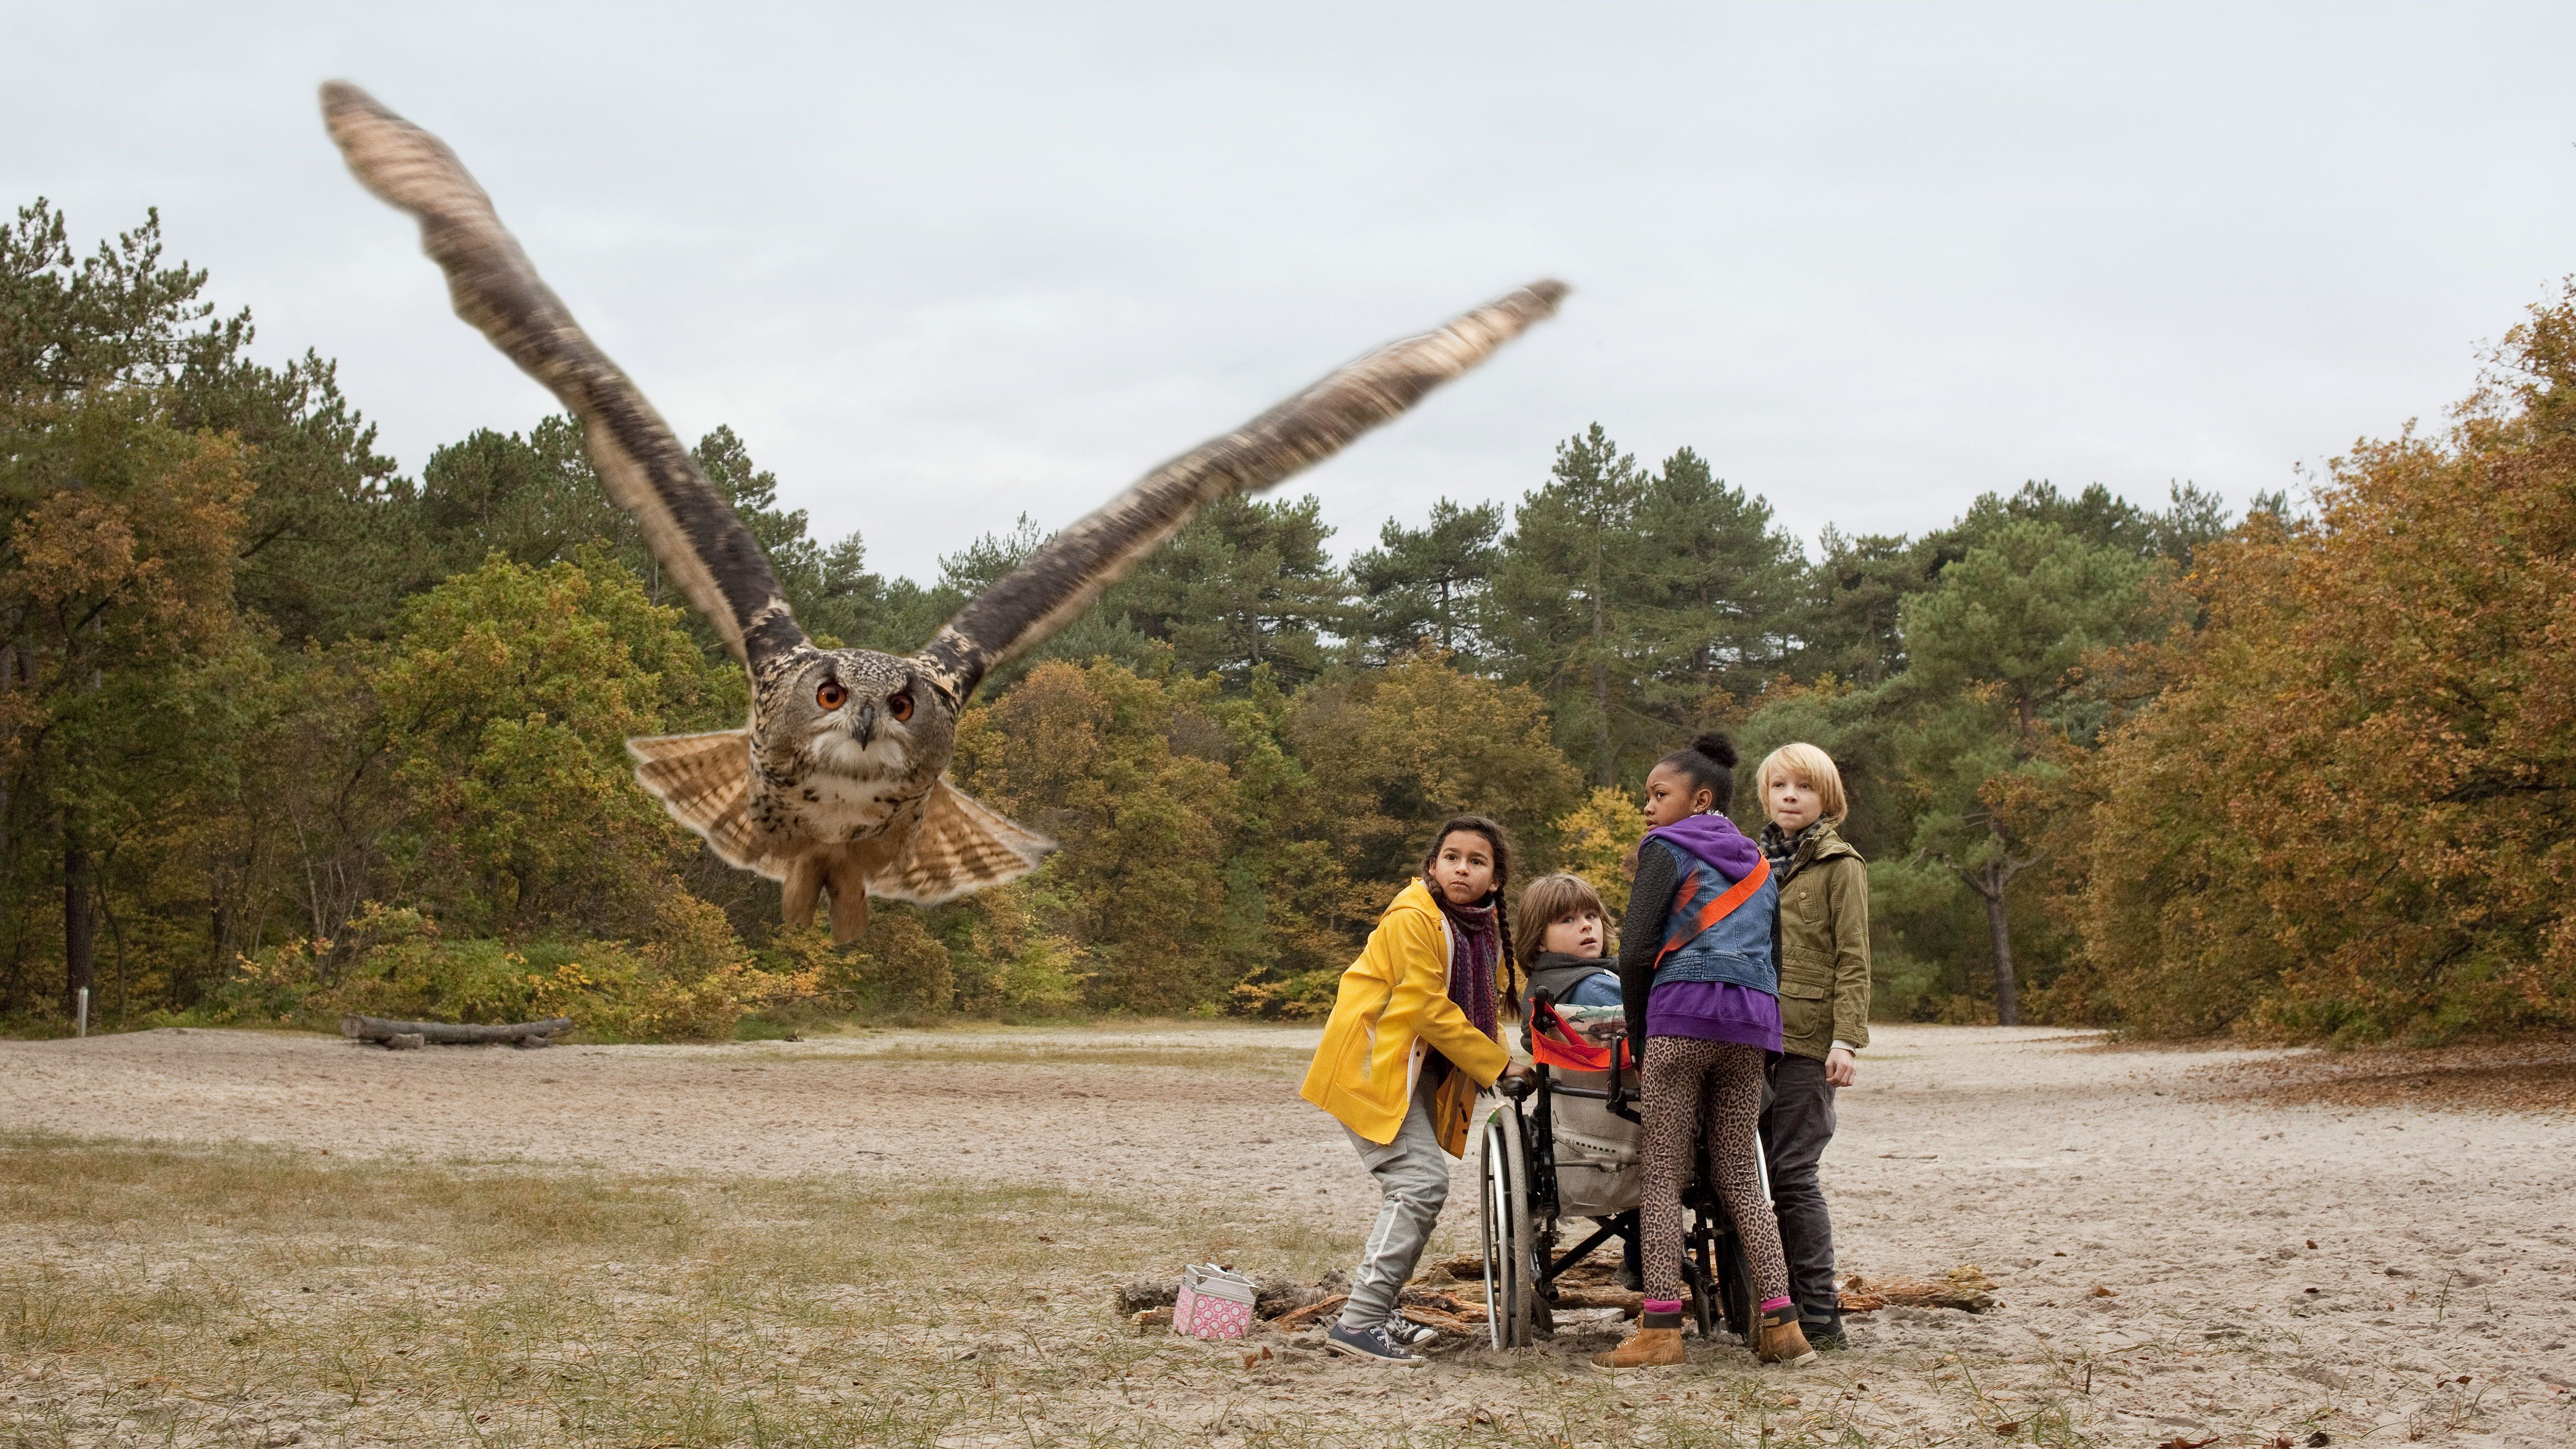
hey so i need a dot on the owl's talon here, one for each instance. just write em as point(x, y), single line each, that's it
point(803, 885)
point(850, 917)
point(847, 879)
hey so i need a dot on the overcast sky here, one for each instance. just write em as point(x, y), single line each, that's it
point(943, 264)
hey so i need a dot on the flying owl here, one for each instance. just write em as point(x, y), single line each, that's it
point(838, 786)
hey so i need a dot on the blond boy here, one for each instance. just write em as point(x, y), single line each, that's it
point(1824, 1010)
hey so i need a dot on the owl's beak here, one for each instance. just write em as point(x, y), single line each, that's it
point(863, 725)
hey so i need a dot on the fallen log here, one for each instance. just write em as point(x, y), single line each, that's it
point(1600, 1297)
point(1464, 1265)
point(1466, 1323)
point(1599, 1270)
point(1300, 1317)
point(1965, 1288)
point(525, 1033)
point(1279, 1295)
point(1470, 1268)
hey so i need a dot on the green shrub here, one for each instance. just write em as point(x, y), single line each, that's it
point(686, 982)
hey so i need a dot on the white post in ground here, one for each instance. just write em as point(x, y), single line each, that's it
point(84, 1011)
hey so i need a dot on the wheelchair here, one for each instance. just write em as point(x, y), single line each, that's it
point(1558, 1157)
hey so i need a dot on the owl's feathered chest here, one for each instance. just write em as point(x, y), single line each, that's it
point(835, 793)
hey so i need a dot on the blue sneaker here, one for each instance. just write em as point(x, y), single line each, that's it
point(1403, 1332)
point(1372, 1344)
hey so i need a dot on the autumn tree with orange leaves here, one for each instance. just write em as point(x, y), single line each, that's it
point(2351, 812)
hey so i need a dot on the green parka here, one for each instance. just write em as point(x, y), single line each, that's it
point(1824, 947)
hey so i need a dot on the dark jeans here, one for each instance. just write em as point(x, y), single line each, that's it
point(1797, 1122)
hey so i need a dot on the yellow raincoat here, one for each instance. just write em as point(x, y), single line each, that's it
point(1394, 1005)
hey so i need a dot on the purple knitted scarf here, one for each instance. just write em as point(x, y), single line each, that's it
point(1476, 949)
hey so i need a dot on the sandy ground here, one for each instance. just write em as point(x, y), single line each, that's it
point(2393, 1272)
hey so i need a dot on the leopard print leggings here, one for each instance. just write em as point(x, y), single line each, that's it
point(1686, 1079)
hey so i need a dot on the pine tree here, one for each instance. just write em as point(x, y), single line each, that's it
point(1429, 583)
point(1566, 601)
point(1992, 655)
point(1719, 589)
point(1856, 593)
point(1247, 582)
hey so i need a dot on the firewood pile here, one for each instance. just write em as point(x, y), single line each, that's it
point(1449, 1295)
point(1289, 1306)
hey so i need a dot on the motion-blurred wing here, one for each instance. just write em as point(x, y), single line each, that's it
point(961, 845)
point(1061, 579)
point(692, 532)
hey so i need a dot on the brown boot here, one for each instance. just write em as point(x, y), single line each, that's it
point(1782, 1340)
point(1644, 1348)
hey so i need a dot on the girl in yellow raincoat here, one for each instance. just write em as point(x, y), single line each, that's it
point(1416, 1031)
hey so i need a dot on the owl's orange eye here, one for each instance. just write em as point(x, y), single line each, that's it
point(900, 706)
point(831, 695)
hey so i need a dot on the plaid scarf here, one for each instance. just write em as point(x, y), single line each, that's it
point(1784, 848)
point(1476, 949)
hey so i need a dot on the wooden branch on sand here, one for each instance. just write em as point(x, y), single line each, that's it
point(1601, 1297)
point(1965, 1287)
point(1300, 1317)
point(525, 1033)
point(1467, 1322)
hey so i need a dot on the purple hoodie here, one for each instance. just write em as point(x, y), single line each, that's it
point(1713, 838)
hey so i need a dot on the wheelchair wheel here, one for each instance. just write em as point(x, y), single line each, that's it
point(1734, 1283)
point(1699, 1275)
point(1511, 1279)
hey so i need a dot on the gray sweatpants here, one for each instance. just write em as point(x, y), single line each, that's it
point(1797, 1123)
point(1413, 1173)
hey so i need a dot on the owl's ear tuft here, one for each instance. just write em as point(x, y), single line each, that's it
point(705, 782)
point(959, 847)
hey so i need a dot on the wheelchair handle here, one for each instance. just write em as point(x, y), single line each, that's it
point(1621, 1094)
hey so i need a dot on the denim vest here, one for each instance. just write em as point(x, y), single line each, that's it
point(1738, 948)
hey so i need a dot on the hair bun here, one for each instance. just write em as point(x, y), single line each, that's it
point(1717, 747)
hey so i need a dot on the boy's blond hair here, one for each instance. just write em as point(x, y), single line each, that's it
point(1548, 900)
point(1811, 767)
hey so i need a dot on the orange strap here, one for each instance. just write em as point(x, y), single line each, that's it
point(1554, 1042)
point(1717, 910)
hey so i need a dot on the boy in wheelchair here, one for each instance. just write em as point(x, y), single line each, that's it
point(1565, 958)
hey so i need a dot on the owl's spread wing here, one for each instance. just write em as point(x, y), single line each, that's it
point(961, 845)
point(1061, 579)
point(691, 530)
point(705, 782)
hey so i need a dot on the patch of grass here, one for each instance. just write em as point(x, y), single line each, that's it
point(246, 1295)
point(761, 1027)
point(415, 1301)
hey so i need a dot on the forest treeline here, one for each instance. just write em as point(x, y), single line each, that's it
point(284, 732)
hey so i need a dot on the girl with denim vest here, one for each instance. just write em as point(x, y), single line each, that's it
point(1701, 990)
